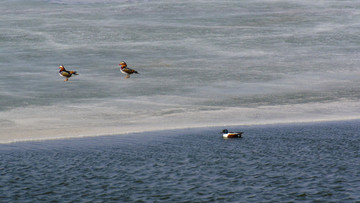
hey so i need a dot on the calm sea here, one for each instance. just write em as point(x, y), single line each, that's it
point(201, 63)
point(316, 162)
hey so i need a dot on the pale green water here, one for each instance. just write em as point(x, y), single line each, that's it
point(201, 63)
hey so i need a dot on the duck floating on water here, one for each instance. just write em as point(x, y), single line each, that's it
point(124, 69)
point(227, 134)
point(66, 73)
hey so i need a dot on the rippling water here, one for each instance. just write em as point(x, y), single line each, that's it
point(288, 163)
point(201, 63)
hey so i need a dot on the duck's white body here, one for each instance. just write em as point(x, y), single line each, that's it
point(227, 134)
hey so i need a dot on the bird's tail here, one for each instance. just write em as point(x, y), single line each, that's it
point(74, 72)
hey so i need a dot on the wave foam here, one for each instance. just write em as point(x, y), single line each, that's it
point(27, 124)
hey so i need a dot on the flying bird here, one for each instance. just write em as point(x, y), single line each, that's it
point(66, 73)
point(124, 69)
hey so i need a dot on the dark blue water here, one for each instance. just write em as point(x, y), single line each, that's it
point(284, 163)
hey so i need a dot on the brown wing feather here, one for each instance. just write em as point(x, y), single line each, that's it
point(65, 73)
point(73, 72)
point(129, 71)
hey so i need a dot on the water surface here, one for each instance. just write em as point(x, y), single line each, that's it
point(316, 162)
point(201, 63)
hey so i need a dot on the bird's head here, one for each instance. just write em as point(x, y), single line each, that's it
point(61, 67)
point(122, 64)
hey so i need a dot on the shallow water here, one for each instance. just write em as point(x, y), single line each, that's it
point(276, 163)
point(201, 63)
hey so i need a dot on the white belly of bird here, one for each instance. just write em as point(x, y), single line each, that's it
point(231, 135)
point(62, 75)
point(124, 72)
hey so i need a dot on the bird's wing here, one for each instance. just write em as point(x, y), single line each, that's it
point(73, 72)
point(128, 70)
point(65, 73)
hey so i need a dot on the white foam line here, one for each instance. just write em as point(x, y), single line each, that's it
point(30, 124)
point(97, 132)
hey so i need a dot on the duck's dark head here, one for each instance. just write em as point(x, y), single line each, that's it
point(225, 131)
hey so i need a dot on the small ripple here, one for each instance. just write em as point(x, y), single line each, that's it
point(173, 168)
